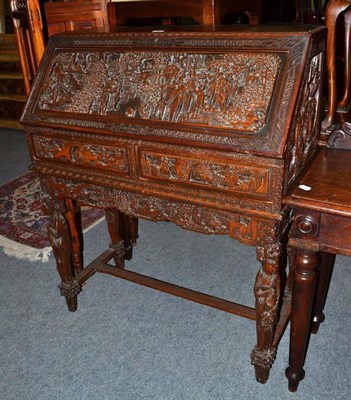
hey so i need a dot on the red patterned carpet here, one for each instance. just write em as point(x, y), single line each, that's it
point(23, 225)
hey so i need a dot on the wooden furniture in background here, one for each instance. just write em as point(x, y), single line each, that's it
point(32, 26)
point(26, 17)
point(12, 97)
point(321, 229)
point(62, 16)
point(337, 18)
point(205, 129)
point(337, 12)
point(203, 12)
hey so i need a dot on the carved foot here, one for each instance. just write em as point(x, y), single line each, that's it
point(263, 361)
point(72, 304)
point(317, 320)
point(70, 290)
point(294, 378)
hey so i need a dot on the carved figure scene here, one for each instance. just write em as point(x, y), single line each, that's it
point(82, 153)
point(230, 90)
point(216, 175)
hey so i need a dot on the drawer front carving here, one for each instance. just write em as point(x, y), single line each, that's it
point(84, 154)
point(212, 174)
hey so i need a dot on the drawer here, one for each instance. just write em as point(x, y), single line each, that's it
point(113, 157)
point(229, 173)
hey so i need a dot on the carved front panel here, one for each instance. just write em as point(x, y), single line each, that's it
point(87, 154)
point(220, 90)
point(213, 174)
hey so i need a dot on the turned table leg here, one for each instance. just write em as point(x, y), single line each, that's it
point(305, 263)
point(60, 238)
point(267, 293)
point(324, 274)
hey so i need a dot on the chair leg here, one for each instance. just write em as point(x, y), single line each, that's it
point(325, 270)
point(332, 13)
point(305, 263)
point(347, 73)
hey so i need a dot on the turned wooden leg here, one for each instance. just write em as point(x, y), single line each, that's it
point(333, 11)
point(60, 238)
point(306, 263)
point(267, 292)
point(347, 74)
point(76, 234)
point(323, 280)
point(129, 232)
point(113, 219)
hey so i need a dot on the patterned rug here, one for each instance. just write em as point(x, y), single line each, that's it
point(23, 225)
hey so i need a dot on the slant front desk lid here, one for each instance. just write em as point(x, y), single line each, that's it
point(234, 89)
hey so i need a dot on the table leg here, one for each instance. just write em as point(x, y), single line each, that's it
point(267, 292)
point(129, 232)
point(324, 274)
point(113, 219)
point(60, 238)
point(72, 215)
point(305, 263)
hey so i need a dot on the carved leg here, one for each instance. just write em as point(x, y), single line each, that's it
point(129, 232)
point(113, 219)
point(347, 80)
point(303, 292)
point(60, 239)
point(324, 274)
point(76, 235)
point(267, 292)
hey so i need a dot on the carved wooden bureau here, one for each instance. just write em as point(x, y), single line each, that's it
point(205, 128)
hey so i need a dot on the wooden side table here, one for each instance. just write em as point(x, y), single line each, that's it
point(321, 229)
